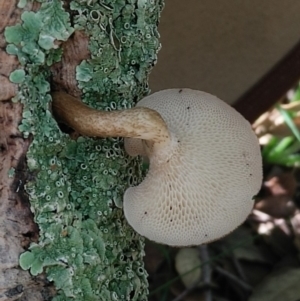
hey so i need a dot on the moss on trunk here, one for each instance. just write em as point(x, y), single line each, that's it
point(76, 185)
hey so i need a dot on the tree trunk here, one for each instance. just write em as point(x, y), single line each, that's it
point(60, 194)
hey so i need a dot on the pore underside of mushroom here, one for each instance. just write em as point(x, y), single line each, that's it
point(205, 162)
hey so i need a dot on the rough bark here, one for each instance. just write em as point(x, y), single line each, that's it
point(17, 228)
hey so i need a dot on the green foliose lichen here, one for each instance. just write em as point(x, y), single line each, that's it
point(85, 247)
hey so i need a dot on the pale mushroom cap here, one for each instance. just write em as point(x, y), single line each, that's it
point(204, 187)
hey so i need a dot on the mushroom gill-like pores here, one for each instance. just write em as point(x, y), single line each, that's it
point(205, 167)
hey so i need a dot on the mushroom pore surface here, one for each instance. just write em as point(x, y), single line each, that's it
point(201, 186)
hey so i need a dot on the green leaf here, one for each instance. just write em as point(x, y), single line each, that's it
point(297, 94)
point(289, 121)
point(282, 285)
point(276, 151)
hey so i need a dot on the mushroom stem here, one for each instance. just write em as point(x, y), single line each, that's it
point(139, 122)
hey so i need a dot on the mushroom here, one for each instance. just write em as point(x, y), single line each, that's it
point(205, 162)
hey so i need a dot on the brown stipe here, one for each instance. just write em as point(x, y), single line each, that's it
point(138, 122)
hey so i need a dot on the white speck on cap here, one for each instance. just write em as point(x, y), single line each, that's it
point(201, 186)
